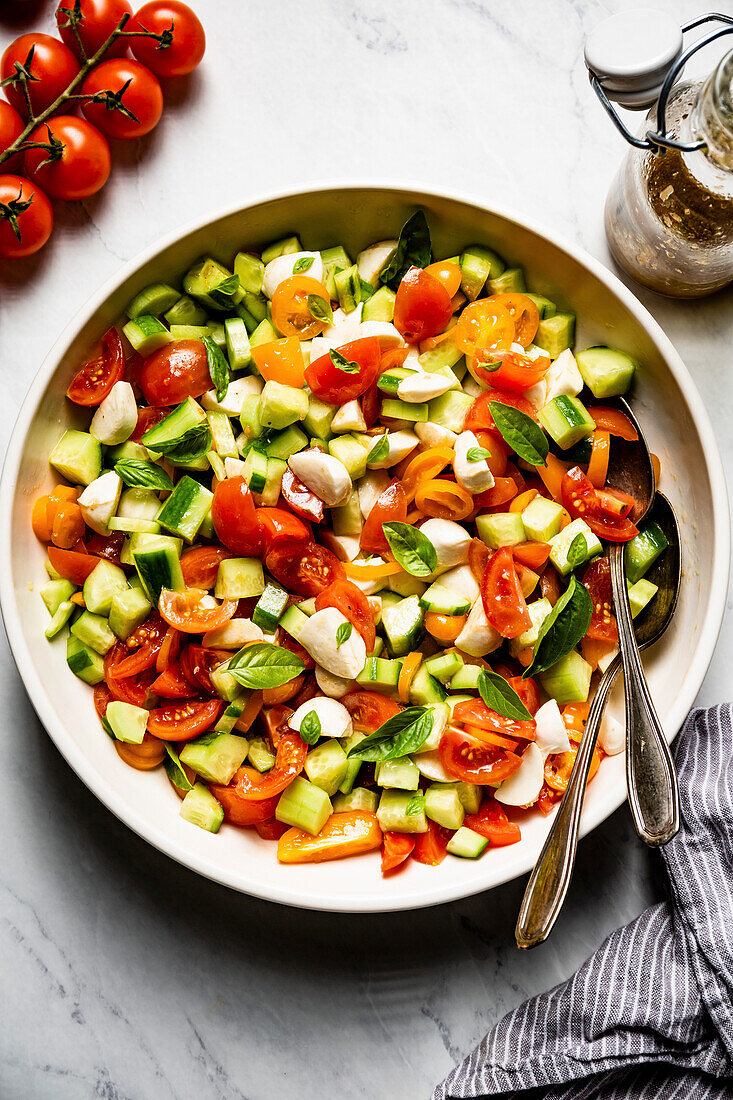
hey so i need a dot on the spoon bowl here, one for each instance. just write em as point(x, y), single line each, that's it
point(630, 467)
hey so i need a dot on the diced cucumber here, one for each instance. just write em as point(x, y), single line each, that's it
point(146, 334)
point(466, 843)
point(326, 765)
point(225, 685)
point(566, 420)
point(643, 550)
point(255, 469)
point(270, 607)
point(501, 529)
point(317, 421)
point(347, 520)
point(122, 453)
point(568, 681)
point(129, 610)
point(152, 300)
point(466, 678)
point(304, 806)
point(468, 793)
point(380, 307)
point(188, 332)
point(157, 561)
point(353, 764)
point(555, 334)
point(263, 334)
point(210, 283)
point(401, 773)
point(542, 519)
point(348, 288)
point(215, 756)
point(250, 271)
point(334, 259)
point(545, 307)
point(361, 798)
point(134, 526)
point(443, 600)
point(94, 631)
point(538, 612)
point(286, 443)
point(351, 453)
point(260, 756)
point(449, 410)
point(78, 457)
point(425, 689)
point(308, 607)
point(562, 542)
point(442, 357)
point(222, 434)
point(239, 579)
point(392, 813)
point(230, 717)
point(511, 281)
point(444, 666)
point(184, 311)
point(380, 674)
point(389, 381)
point(128, 722)
point(138, 504)
point(54, 593)
point(238, 350)
point(640, 594)
point(394, 408)
point(477, 265)
point(403, 584)
point(170, 430)
point(443, 806)
point(606, 372)
point(403, 626)
point(60, 618)
point(284, 247)
point(184, 510)
point(249, 417)
point(83, 661)
point(199, 807)
point(268, 498)
point(101, 586)
point(293, 622)
point(281, 405)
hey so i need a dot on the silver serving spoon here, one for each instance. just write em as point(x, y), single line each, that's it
point(550, 879)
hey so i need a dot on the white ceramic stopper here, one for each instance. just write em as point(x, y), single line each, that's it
point(632, 52)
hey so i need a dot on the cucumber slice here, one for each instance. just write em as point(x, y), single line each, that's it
point(348, 288)
point(83, 661)
point(643, 550)
point(239, 579)
point(393, 408)
point(54, 593)
point(449, 410)
point(304, 806)
point(230, 717)
point(185, 509)
point(640, 594)
point(425, 689)
point(392, 813)
point(250, 271)
point(78, 457)
point(444, 666)
point(443, 806)
point(444, 601)
point(199, 807)
point(477, 265)
point(134, 526)
point(501, 529)
point(281, 405)
point(545, 307)
point(286, 443)
point(138, 504)
point(351, 454)
point(210, 283)
point(146, 334)
point(389, 381)
point(466, 678)
point(403, 625)
point(215, 756)
point(101, 586)
point(538, 612)
point(380, 306)
point(156, 559)
point(606, 372)
point(284, 247)
point(293, 622)
point(238, 350)
point(466, 843)
point(380, 674)
point(93, 631)
point(152, 301)
point(184, 311)
point(566, 420)
point(255, 469)
point(222, 434)
point(326, 766)
point(334, 259)
point(401, 774)
point(171, 430)
point(556, 334)
point(317, 421)
point(270, 607)
point(127, 722)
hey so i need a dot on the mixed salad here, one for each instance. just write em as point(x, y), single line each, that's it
point(332, 550)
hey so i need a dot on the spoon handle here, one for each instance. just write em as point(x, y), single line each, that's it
point(650, 772)
point(548, 884)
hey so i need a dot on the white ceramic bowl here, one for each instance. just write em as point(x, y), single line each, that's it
point(665, 400)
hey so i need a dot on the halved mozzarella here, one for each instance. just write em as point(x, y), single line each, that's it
point(471, 474)
point(478, 636)
point(399, 446)
point(234, 634)
point(333, 686)
point(563, 377)
point(370, 488)
point(237, 390)
point(435, 435)
point(234, 467)
point(430, 765)
point(461, 580)
point(384, 331)
point(552, 736)
point(334, 717)
point(373, 260)
point(323, 474)
point(281, 268)
point(612, 736)
point(318, 637)
point(349, 418)
point(116, 417)
point(99, 501)
point(523, 787)
point(423, 386)
point(451, 542)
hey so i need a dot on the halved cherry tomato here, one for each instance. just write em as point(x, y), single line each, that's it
point(479, 415)
point(281, 361)
point(102, 698)
point(169, 650)
point(252, 708)
point(147, 418)
point(235, 518)
point(613, 421)
point(550, 584)
point(336, 386)
point(344, 834)
point(182, 721)
point(102, 370)
point(369, 710)
point(285, 641)
point(142, 647)
point(128, 689)
point(200, 565)
point(478, 558)
point(504, 604)
point(422, 306)
point(448, 275)
point(425, 466)
point(516, 371)
point(491, 737)
point(274, 697)
point(291, 314)
point(290, 757)
point(353, 605)
point(559, 766)
point(145, 756)
point(271, 828)
point(499, 450)
point(106, 546)
point(172, 684)
point(532, 554)
point(396, 847)
point(197, 662)
point(527, 691)
point(547, 800)
point(444, 499)
point(474, 712)
point(597, 579)
point(430, 847)
point(174, 372)
point(583, 501)
point(491, 821)
point(501, 492)
point(187, 612)
point(277, 523)
point(300, 498)
point(444, 628)
point(474, 761)
point(237, 809)
point(303, 567)
point(391, 505)
point(371, 403)
point(524, 313)
point(483, 327)
point(274, 721)
point(68, 525)
point(599, 458)
point(552, 474)
point(72, 565)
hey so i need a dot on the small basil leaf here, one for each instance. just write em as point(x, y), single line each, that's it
point(413, 550)
point(264, 665)
point(218, 367)
point(520, 431)
point(416, 805)
point(501, 697)
point(303, 264)
point(223, 294)
point(563, 628)
point(379, 451)
point(477, 454)
point(174, 770)
point(310, 728)
point(413, 250)
point(343, 634)
point(144, 475)
point(400, 735)
point(342, 362)
point(320, 308)
point(577, 551)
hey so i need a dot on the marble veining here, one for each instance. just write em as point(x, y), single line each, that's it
point(125, 976)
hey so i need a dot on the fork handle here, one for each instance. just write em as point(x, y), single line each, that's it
point(650, 773)
point(548, 884)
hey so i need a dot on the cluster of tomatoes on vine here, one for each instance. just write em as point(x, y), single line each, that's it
point(46, 149)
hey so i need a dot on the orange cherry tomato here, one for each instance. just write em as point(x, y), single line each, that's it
point(474, 761)
point(444, 628)
point(391, 505)
point(599, 457)
point(184, 720)
point(149, 754)
point(430, 847)
point(448, 275)
point(40, 520)
point(422, 306)
point(68, 525)
point(483, 327)
point(344, 834)
point(281, 361)
point(187, 612)
point(613, 421)
point(396, 847)
point(274, 697)
point(474, 712)
point(424, 467)
point(532, 554)
point(291, 313)
point(443, 499)
point(369, 710)
point(524, 313)
point(516, 371)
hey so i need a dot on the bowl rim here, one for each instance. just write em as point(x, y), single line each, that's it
point(428, 894)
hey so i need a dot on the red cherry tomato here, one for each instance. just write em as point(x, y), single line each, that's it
point(479, 418)
point(52, 68)
point(147, 418)
point(369, 710)
point(142, 97)
point(303, 567)
point(336, 386)
point(391, 505)
point(277, 524)
point(527, 691)
point(200, 565)
point(600, 513)
point(197, 662)
point(83, 163)
point(235, 519)
point(102, 370)
point(72, 565)
point(289, 760)
point(184, 611)
point(26, 217)
point(11, 127)
point(396, 847)
point(422, 306)
point(172, 684)
point(188, 41)
point(492, 822)
point(475, 761)
point(239, 810)
point(532, 554)
point(353, 605)
point(128, 689)
point(142, 648)
point(98, 19)
point(474, 712)
point(430, 847)
point(174, 372)
point(597, 579)
point(504, 603)
point(517, 372)
point(182, 721)
point(106, 546)
point(300, 498)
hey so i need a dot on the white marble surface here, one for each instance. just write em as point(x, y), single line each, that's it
point(124, 975)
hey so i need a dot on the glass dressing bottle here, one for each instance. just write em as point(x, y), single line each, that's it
point(669, 212)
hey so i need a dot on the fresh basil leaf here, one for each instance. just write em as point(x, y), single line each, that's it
point(380, 450)
point(342, 362)
point(320, 308)
point(264, 665)
point(520, 431)
point(400, 735)
point(563, 628)
point(416, 805)
point(144, 475)
point(477, 454)
point(187, 447)
point(413, 250)
point(343, 634)
point(577, 551)
point(501, 697)
point(413, 550)
point(310, 728)
point(491, 366)
point(303, 264)
point(218, 367)
point(174, 770)
point(223, 294)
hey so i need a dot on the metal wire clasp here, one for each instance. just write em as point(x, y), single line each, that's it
point(657, 141)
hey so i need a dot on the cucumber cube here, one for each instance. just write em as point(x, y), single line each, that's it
point(445, 355)
point(538, 612)
point(199, 807)
point(392, 813)
point(239, 579)
point(361, 798)
point(449, 410)
point(281, 405)
point(224, 683)
point(425, 689)
point(184, 311)
point(286, 443)
point(78, 457)
point(380, 674)
point(568, 681)
point(444, 601)
point(468, 793)
point(152, 301)
point(304, 806)
point(293, 622)
point(284, 247)
point(250, 271)
point(238, 350)
point(401, 773)
point(443, 667)
point(501, 529)
point(444, 807)
point(562, 542)
point(317, 421)
point(326, 766)
point(466, 843)
point(566, 420)
point(183, 512)
point(54, 593)
point(127, 722)
point(643, 550)
point(351, 453)
point(466, 679)
point(230, 717)
point(380, 307)
point(393, 408)
point(215, 756)
point(477, 265)
point(542, 519)
point(146, 334)
point(606, 371)
point(157, 561)
point(403, 625)
point(102, 585)
point(545, 307)
point(555, 334)
point(270, 607)
point(94, 631)
point(640, 594)
point(83, 661)
point(260, 756)
point(511, 281)
point(60, 618)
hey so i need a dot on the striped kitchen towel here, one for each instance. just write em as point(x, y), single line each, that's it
point(650, 1015)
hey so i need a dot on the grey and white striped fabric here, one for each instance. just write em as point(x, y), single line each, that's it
point(650, 1015)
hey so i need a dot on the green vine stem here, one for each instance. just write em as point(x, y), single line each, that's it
point(88, 63)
